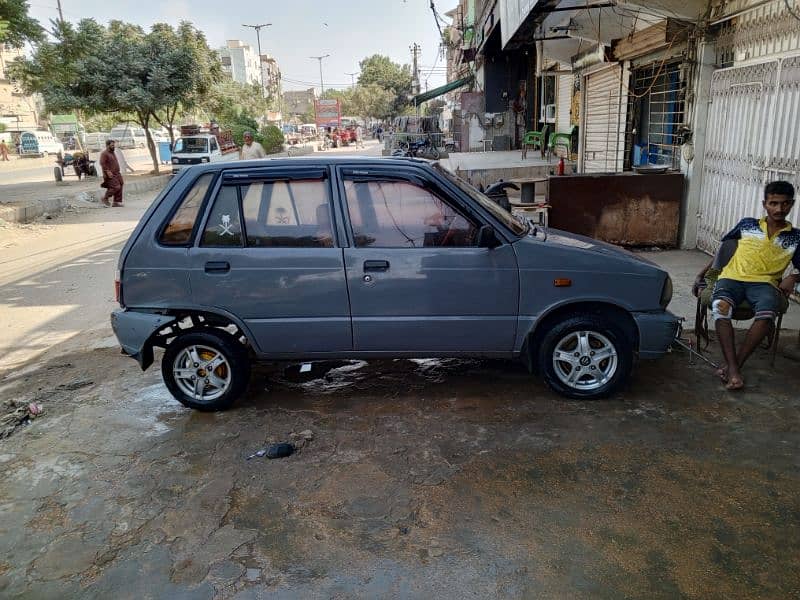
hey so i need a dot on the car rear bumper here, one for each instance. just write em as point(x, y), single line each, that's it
point(134, 331)
point(656, 332)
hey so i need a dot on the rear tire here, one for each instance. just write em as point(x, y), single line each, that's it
point(216, 360)
point(586, 356)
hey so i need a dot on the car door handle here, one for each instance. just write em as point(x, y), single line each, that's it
point(218, 267)
point(376, 265)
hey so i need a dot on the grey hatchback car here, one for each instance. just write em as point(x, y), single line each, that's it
point(308, 259)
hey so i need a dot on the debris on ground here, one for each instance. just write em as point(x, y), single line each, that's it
point(17, 413)
point(299, 440)
point(75, 385)
point(280, 450)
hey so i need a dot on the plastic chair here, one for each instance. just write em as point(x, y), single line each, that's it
point(742, 312)
point(535, 139)
point(562, 137)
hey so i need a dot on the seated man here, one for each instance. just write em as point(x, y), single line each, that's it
point(754, 272)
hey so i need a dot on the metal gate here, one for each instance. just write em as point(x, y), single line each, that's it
point(605, 108)
point(753, 138)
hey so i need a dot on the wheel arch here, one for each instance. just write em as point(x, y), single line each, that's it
point(193, 319)
point(622, 316)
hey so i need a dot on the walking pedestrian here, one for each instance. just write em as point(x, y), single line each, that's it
point(359, 136)
point(251, 149)
point(3, 150)
point(112, 178)
point(124, 166)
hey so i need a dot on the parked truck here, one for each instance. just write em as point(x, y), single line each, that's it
point(199, 145)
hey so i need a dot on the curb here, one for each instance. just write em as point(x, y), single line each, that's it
point(55, 204)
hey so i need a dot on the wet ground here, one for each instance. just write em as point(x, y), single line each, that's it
point(424, 479)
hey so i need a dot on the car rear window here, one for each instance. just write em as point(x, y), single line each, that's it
point(178, 231)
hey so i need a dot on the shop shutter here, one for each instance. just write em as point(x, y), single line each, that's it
point(604, 122)
point(563, 101)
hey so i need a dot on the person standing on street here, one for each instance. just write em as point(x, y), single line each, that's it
point(251, 149)
point(112, 178)
point(3, 150)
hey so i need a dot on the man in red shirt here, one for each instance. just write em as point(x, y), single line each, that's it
point(112, 178)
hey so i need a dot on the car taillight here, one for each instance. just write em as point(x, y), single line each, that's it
point(118, 288)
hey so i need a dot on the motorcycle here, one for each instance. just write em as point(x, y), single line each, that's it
point(422, 148)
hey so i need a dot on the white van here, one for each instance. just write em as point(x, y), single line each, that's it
point(96, 141)
point(39, 143)
point(128, 136)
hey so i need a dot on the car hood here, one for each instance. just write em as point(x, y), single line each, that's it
point(584, 250)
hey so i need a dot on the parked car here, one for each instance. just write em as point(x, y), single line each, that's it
point(301, 259)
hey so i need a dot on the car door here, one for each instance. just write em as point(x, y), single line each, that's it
point(417, 279)
point(267, 254)
point(214, 153)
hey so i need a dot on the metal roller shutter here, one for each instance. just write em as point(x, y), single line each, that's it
point(605, 110)
point(563, 101)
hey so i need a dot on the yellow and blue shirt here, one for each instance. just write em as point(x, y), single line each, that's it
point(760, 258)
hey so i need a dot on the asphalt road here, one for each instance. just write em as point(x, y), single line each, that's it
point(24, 170)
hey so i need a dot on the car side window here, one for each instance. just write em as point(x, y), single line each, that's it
point(224, 226)
point(400, 214)
point(213, 144)
point(287, 214)
point(178, 231)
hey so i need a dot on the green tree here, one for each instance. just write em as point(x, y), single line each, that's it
point(382, 71)
point(119, 69)
point(16, 26)
point(186, 70)
point(372, 100)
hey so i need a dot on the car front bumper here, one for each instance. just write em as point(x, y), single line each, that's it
point(656, 332)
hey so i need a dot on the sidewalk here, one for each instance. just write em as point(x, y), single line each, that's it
point(24, 202)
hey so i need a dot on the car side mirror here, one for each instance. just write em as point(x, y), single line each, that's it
point(487, 237)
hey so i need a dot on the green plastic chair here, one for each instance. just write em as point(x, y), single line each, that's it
point(535, 139)
point(562, 137)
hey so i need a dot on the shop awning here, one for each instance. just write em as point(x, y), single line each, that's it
point(439, 91)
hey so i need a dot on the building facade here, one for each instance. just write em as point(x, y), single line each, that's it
point(241, 62)
point(299, 102)
point(271, 76)
point(18, 112)
point(707, 88)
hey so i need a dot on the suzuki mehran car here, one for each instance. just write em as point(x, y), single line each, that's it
point(303, 259)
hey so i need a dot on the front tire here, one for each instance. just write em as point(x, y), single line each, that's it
point(206, 370)
point(585, 357)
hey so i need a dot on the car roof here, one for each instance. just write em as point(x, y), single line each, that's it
point(308, 161)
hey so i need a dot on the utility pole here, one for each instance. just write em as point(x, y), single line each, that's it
point(352, 79)
point(60, 13)
point(321, 84)
point(258, 29)
point(415, 50)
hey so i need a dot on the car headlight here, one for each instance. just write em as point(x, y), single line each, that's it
point(666, 292)
point(174, 160)
point(204, 159)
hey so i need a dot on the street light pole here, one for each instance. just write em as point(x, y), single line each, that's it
point(258, 29)
point(321, 84)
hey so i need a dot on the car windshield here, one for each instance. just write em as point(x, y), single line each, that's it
point(518, 226)
point(191, 145)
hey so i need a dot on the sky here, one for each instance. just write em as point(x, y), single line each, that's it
point(348, 30)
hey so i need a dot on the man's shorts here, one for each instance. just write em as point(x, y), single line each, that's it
point(763, 297)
